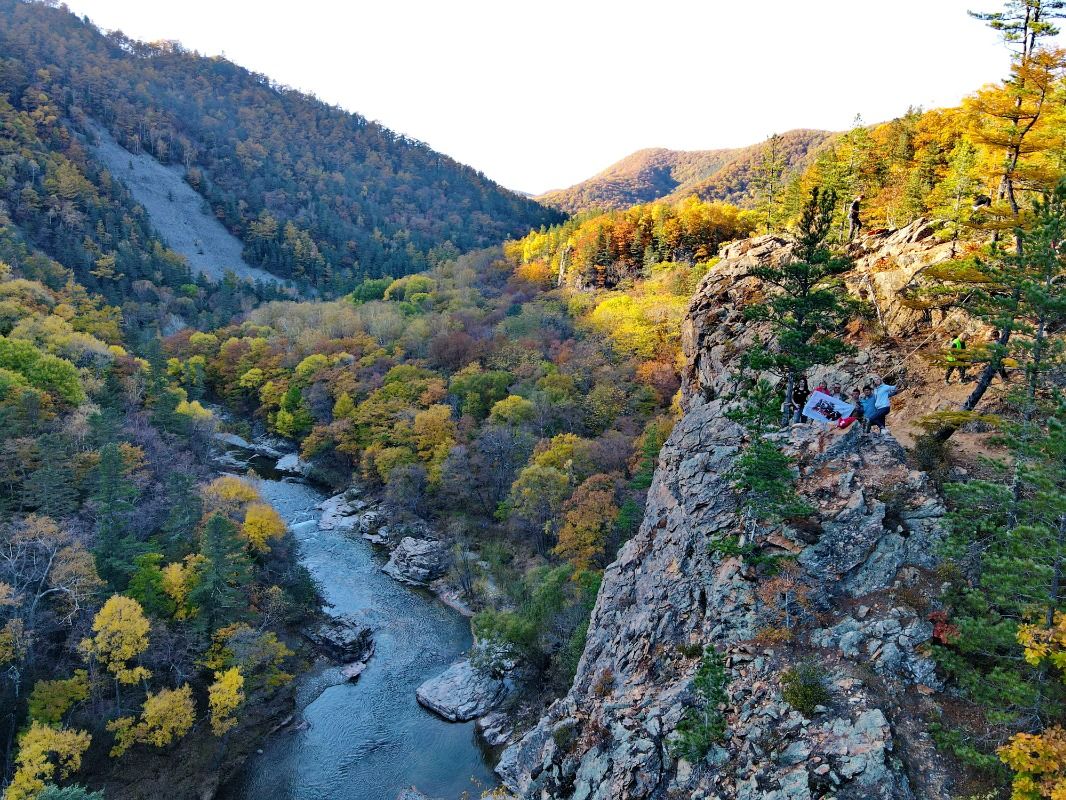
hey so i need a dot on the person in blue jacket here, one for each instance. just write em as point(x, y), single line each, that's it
point(866, 403)
point(882, 393)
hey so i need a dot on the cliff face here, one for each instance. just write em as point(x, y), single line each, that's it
point(864, 567)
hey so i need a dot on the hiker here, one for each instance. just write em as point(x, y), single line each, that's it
point(993, 342)
point(868, 405)
point(837, 392)
point(882, 403)
point(854, 222)
point(800, 393)
point(958, 344)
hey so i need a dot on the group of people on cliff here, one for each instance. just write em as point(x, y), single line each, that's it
point(870, 404)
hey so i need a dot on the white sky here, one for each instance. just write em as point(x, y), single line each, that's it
point(543, 94)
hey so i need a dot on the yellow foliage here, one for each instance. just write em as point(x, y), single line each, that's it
point(166, 716)
point(261, 524)
point(645, 326)
point(192, 409)
point(121, 634)
point(179, 578)
point(1040, 643)
point(44, 751)
point(1039, 764)
point(225, 696)
point(229, 487)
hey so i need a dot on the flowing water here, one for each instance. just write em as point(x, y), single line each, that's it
point(370, 739)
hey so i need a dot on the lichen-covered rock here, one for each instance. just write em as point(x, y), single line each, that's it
point(417, 561)
point(462, 692)
point(674, 588)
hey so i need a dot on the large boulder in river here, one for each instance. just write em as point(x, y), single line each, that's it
point(462, 692)
point(417, 561)
point(343, 638)
point(338, 513)
point(292, 464)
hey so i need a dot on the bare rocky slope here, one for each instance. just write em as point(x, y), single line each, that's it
point(177, 212)
point(671, 590)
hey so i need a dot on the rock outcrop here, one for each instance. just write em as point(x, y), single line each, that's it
point(417, 561)
point(862, 566)
point(343, 639)
point(462, 692)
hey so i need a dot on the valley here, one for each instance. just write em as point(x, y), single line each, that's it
point(333, 469)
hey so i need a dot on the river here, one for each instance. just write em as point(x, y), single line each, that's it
point(370, 739)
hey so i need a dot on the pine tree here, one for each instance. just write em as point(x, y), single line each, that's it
point(114, 495)
point(51, 488)
point(809, 307)
point(220, 593)
point(769, 170)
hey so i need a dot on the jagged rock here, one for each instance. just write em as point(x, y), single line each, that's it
point(417, 561)
point(876, 523)
point(343, 638)
point(292, 464)
point(496, 728)
point(462, 692)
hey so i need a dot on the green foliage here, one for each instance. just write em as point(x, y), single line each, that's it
point(703, 725)
point(764, 478)
point(803, 687)
point(220, 592)
point(114, 495)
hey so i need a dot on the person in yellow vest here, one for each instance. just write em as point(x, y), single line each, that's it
point(958, 344)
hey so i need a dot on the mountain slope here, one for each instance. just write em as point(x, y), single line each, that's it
point(654, 173)
point(314, 192)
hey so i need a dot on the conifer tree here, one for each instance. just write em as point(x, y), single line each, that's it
point(114, 494)
point(809, 307)
point(220, 592)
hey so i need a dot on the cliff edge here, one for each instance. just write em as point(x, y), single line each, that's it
point(853, 608)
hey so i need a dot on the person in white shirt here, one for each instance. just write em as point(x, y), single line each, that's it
point(882, 403)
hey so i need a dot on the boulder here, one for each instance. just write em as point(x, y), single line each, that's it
point(462, 692)
point(417, 561)
point(292, 464)
point(343, 639)
point(496, 728)
point(337, 514)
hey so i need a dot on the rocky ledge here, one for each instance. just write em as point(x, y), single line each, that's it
point(462, 692)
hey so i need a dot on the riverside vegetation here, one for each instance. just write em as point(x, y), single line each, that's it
point(513, 393)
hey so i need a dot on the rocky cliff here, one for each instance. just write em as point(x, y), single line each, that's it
point(864, 570)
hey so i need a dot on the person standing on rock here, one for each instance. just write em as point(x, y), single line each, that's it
point(800, 392)
point(958, 344)
point(854, 220)
point(882, 403)
point(868, 404)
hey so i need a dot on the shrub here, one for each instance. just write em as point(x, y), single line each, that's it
point(703, 724)
point(803, 687)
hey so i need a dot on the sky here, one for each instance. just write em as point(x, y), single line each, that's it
point(541, 95)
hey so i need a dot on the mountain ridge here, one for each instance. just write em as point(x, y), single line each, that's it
point(655, 173)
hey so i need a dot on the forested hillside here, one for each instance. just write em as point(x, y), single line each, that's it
point(317, 194)
point(728, 175)
point(489, 385)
